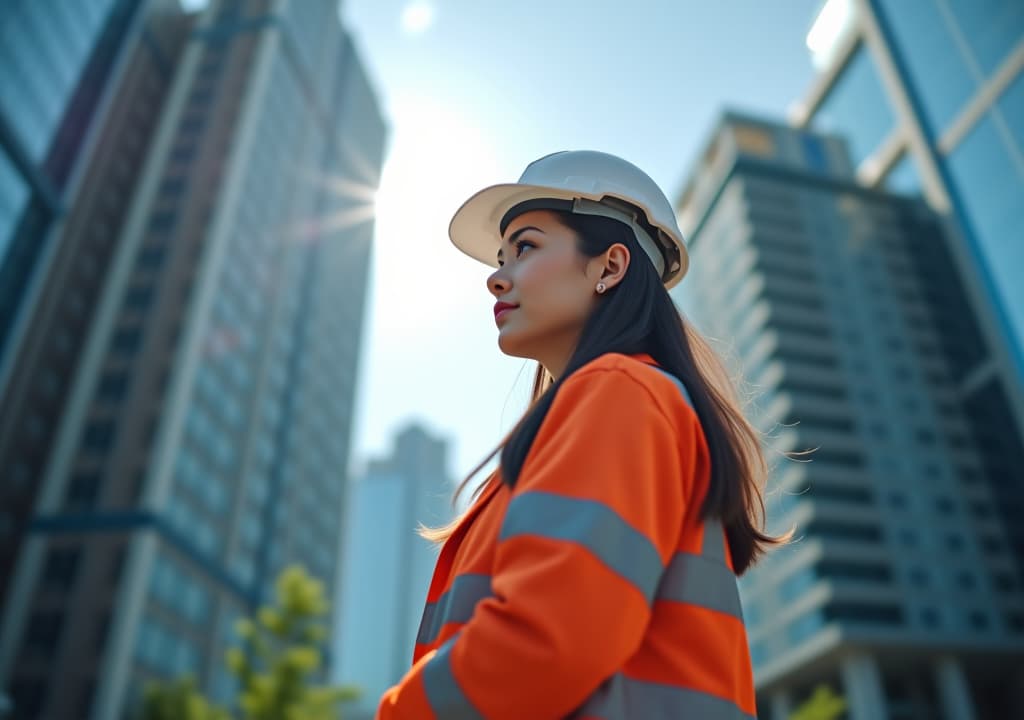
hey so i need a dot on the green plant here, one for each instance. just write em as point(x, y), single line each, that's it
point(276, 664)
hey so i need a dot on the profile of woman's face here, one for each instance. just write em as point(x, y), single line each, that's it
point(549, 285)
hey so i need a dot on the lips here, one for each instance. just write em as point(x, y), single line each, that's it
point(501, 308)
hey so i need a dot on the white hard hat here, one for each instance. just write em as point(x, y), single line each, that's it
point(584, 182)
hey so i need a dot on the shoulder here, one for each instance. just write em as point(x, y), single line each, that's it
point(625, 380)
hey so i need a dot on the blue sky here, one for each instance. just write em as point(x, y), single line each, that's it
point(473, 91)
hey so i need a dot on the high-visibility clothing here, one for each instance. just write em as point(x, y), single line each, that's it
point(592, 589)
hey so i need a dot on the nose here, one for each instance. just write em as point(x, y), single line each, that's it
point(498, 283)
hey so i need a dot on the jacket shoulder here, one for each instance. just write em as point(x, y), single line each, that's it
point(633, 373)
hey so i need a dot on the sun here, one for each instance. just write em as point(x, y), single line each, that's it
point(417, 17)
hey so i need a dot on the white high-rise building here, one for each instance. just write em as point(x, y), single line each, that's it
point(388, 566)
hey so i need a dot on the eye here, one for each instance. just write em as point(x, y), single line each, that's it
point(521, 246)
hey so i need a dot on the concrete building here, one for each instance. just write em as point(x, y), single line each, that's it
point(930, 97)
point(846, 311)
point(388, 565)
point(203, 437)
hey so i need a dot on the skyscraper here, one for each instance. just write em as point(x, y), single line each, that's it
point(846, 311)
point(81, 88)
point(388, 565)
point(930, 96)
point(204, 441)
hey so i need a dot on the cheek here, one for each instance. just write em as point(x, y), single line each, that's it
point(553, 291)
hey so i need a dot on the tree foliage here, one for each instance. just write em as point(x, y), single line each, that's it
point(275, 665)
point(824, 704)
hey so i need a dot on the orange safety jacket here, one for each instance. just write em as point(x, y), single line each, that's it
point(592, 589)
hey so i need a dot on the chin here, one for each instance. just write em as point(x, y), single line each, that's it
point(512, 346)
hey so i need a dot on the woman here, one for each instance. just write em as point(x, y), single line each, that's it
point(595, 575)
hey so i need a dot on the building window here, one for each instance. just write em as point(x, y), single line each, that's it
point(61, 567)
point(44, 631)
point(99, 435)
point(978, 620)
point(151, 257)
point(992, 544)
point(127, 340)
point(965, 580)
point(1004, 582)
point(853, 570)
point(113, 386)
point(139, 297)
point(844, 530)
point(881, 614)
point(945, 505)
point(82, 491)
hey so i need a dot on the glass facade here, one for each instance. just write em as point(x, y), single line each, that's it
point(903, 177)
point(949, 47)
point(857, 107)
point(990, 180)
point(1010, 110)
point(14, 193)
point(43, 49)
point(990, 28)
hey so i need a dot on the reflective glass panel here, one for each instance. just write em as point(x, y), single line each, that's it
point(991, 28)
point(903, 177)
point(14, 194)
point(1011, 107)
point(934, 62)
point(857, 107)
point(990, 183)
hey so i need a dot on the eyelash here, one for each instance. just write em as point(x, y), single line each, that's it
point(519, 245)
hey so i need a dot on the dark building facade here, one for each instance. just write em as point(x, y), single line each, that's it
point(204, 437)
point(60, 245)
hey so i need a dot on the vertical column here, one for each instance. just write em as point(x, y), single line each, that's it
point(954, 691)
point(782, 705)
point(862, 686)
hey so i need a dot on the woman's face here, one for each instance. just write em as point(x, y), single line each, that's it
point(549, 285)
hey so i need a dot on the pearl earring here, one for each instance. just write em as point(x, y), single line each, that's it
point(601, 287)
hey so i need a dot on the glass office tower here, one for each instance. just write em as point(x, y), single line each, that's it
point(845, 311)
point(930, 95)
point(204, 441)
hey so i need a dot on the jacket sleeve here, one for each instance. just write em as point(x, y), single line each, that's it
point(593, 520)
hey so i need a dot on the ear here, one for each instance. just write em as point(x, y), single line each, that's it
point(613, 264)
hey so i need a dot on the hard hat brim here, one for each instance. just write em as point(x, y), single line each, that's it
point(474, 227)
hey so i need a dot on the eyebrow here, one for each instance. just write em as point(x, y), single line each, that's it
point(515, 236)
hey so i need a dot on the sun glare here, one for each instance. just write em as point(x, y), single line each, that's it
point(417, 17)
point(438, 158)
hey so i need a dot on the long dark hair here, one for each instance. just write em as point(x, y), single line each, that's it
point(638, 316)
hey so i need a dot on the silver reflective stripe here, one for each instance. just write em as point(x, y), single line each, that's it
point(591, 524)
point(623, 698)
point(443, 692)
point(704, 580)
point(456, 605)
point(695, 580)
